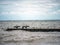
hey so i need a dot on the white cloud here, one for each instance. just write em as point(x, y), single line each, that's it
point(3, 13)
point(56, 12)
point(30, 7)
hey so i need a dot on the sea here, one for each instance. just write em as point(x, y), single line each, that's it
point(21, 37)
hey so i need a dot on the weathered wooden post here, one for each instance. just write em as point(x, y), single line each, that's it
point(16, 27)
point(24, 27)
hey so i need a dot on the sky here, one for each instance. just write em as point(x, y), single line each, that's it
point(29, 9)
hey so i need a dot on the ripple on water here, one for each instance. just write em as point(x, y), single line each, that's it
point(29, 38)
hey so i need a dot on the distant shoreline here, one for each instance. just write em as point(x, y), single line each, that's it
point(25, 20)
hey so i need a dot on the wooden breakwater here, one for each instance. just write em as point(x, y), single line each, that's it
point(25, 28)
point(35, 30)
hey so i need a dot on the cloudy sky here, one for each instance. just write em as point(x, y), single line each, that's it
point(29, 9)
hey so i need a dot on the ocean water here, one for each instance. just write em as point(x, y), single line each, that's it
point(20, 37)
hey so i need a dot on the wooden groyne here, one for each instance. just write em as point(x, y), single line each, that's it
point(25, 28)
point(34, 30)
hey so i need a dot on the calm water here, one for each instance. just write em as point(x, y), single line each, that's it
point(19, 37)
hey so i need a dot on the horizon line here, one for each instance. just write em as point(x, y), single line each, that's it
point(29, 20)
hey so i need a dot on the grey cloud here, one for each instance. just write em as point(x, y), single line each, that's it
point(56, 1)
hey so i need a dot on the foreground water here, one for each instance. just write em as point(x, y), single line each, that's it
point(19, 37)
